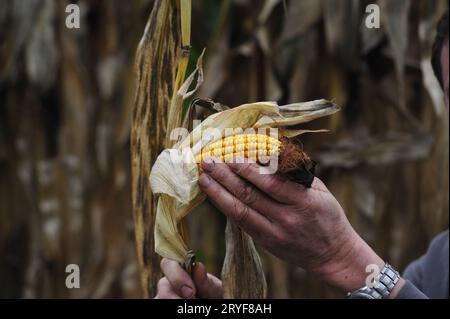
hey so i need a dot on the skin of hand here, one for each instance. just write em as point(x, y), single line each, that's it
point(305, 227)
point(177, 284)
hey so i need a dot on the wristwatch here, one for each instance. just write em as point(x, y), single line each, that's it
point(382, 286)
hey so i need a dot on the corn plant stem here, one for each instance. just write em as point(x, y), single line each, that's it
point(158, 73)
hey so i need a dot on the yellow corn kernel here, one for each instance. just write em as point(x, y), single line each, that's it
point(252, 146)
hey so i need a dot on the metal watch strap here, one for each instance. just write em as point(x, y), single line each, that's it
point(383, 285)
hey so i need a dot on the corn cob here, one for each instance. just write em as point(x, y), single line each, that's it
point(292, 161)
point(258, 147)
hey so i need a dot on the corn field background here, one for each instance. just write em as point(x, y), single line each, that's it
point(66, 99)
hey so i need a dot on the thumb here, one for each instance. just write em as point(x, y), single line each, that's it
point(208, 286)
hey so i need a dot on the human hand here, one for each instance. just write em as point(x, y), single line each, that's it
point(303, 226)
point(177, 283)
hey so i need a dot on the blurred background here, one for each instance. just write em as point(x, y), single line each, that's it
point(66, 97)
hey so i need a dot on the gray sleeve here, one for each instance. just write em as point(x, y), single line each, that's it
point(427, 277)
point(409, 291)
point(414, 273)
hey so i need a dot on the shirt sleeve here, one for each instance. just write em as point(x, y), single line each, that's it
point(414, 273)
point(427, 277)
point(409, 291)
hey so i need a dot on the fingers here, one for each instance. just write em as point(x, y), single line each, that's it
point(207, 285)
point(177, 284)
point(178, 278)
point(255, 224)
point(277, 187)
point(245, 192)
point(165, 290)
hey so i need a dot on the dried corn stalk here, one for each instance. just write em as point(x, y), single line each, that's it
point(161, 63)
point(175, 177)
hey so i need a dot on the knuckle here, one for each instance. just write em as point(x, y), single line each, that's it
point(163, 263)
point(211, 190)
point(220, 171)
point(214, 192)
point(244, 169)
point(173, 273)
point(288, 222)
point(177, 279)
point(248, 194)
point(283, 220)
point(271, 184)
point(241, 214)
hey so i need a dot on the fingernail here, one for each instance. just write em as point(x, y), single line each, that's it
point(186, 292)
point(208, 165)
point(204, 180)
